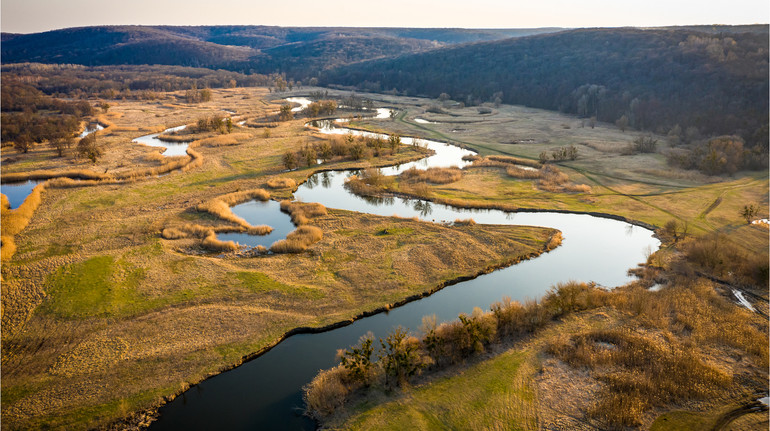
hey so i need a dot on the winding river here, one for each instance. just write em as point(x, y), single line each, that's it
point(265, 393)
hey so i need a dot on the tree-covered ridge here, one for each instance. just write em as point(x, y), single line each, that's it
point(298, 51)
point(657, 79)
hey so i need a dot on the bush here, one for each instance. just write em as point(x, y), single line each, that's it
point(358, 359)
point(298, 240)
point(644, 144)
point(289, 160)
point(400, 358)
point(326, 392)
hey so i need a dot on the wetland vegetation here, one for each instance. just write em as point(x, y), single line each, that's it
point(130, 274)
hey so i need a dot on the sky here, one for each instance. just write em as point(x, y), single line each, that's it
point(31, 16)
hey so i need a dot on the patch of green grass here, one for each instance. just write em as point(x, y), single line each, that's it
point(494, 394)
point(683, 421)
point(96, 287)
point(395, 231)
point(102, 202)
point(56, 249)
point(258, 282)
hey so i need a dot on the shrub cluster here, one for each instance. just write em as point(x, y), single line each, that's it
point(402, 356)
point(321, 107)
point(563, 153)
point(722, 155)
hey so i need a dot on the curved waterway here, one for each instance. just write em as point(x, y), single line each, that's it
point(18, 192)
point(171, 148)
point(265, 393)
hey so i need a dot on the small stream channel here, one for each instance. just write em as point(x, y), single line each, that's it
point(265, 393)
point(17, 192)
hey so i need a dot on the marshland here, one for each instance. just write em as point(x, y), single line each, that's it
point(241, 248)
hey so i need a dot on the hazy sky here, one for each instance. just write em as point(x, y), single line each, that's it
point(29, 16)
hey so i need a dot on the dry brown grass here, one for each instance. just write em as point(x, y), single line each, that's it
point(524, 174)
point(281, 183)
point(298, 240)
point(174, 233)
point(220, 207)
point(83, 174)
point(302, 212)
point(211, 242)
point(516, 161)
point(433, 175)
point(224, 140)
point(554, 180)
point(327, 391)
point(154, 157)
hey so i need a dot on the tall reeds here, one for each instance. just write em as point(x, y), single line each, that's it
point(298, 240)
point(433, 175)
point(15, 220)
point(281, 183)
point(302, 212)
point(220, 207)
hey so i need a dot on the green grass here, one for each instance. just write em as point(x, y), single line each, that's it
point(494, 394)
point(99, 286)
point(261, 283)
point(395, 231)
point(682, 421)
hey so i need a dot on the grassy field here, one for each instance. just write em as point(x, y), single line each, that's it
point(103, 318)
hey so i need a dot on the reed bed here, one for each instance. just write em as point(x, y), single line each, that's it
point(281, 183)
point(211, 242)
point(15, 220)
point(302, 212)
point(523, 174)
point(433, 175)
point(175, 138)
point(298, 240)
point(516, 161)
point(554, 180)
point(220, 207)
point(224, 140)
point(83, 174)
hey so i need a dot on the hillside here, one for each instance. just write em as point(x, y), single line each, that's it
point(299, 51)
point(712, 81)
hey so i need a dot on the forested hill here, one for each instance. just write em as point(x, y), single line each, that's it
point(704, 78)
point(297, 51)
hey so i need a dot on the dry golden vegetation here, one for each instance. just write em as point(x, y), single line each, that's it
point(220, 207)
point(102, 316)
point(15, 220)
point(640, 352)
point(302, 212)
point(432, 175)
point(298, 240)
point(281, 183)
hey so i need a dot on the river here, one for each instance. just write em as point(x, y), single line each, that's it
point(265, 393)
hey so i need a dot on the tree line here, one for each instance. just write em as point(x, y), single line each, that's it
point(657, 80)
